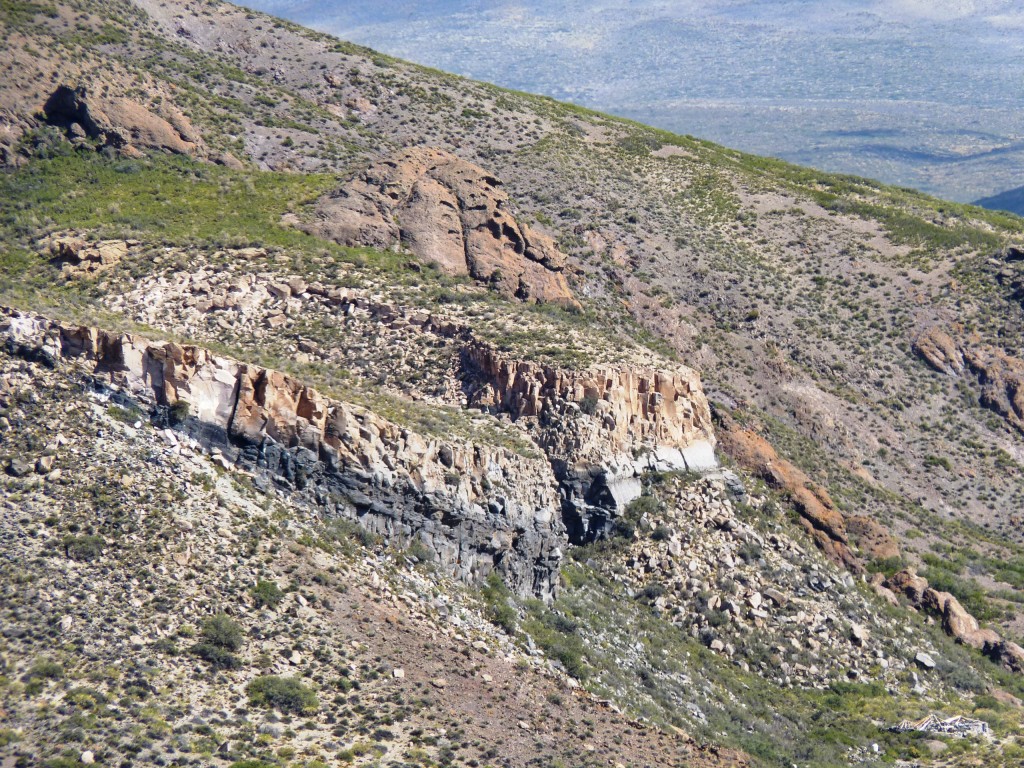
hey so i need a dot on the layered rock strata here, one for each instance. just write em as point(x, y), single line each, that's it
point(478, 508)
point(602, 428)
point(450, 212)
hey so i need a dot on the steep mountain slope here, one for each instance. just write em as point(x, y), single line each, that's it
point(472, 348)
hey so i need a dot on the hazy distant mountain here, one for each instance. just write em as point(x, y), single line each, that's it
point(1011, 200)
point(924, 94)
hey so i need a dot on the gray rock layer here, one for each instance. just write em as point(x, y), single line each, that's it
point(477, 508)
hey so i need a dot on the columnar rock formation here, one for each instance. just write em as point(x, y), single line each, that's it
point(450, 212)
point(601, 427)
point(477, 507)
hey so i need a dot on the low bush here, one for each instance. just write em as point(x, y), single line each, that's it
point(221, 636)
point(83, 548)
point(267, 594)
point(284, 693)
point(500, 610)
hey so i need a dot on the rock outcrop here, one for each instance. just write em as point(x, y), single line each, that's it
point(478, 508)
point(956, 620)
point(1000, 375)
point(940, 351)
point(818, 513)
point(601, 428)
point(119, 122)
point(78, 257)
point(450, 212)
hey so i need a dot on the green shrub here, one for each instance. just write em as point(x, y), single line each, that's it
point(267, 593)
point(641, 506)
point(500, 611)
point(223, 632)
point(44, 669)
point(220, 638)
point(216, 657)
point(82, 547)
point(284, 693)
point(661, 533)
point(559, 636)
point(179, 412)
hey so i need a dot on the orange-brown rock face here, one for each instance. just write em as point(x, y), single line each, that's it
point(818, 512)
point(451, 212)
point(120, 122)
point(873, 538)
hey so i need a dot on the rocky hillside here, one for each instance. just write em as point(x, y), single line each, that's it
point(481, 342)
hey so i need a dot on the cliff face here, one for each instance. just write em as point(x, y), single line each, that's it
point(478, 508)
point(601, 428)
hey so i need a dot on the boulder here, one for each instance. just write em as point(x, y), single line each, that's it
point(908, 583)
point(924, 661)
point(78, 257)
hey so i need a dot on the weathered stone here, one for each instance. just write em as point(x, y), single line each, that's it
point(450, 212)
point(924, 661)
point(859, 634)
point(1002, 382)
point(120, 122)
point(939, 351)
point(19, 467)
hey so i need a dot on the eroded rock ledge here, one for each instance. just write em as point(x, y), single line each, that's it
point(956, 621)
point(601, 428)
point(479, 508)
